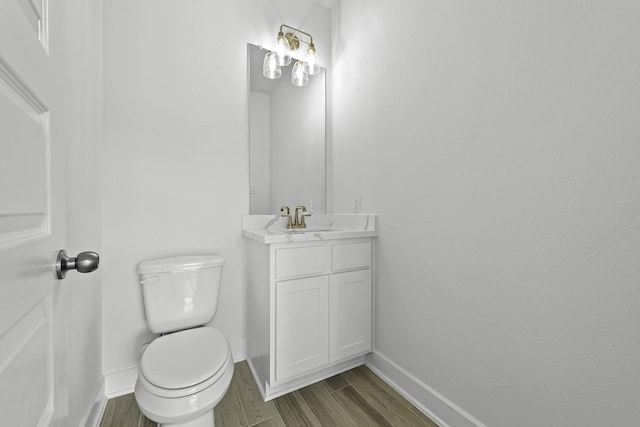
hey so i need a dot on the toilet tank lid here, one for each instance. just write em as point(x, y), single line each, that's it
point(180, 263)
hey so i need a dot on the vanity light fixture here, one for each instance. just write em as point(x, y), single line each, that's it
point(290, 42)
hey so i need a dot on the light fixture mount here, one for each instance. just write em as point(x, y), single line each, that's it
point(292, 38)
point(292, 42)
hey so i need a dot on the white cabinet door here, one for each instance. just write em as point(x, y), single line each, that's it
point(349, 314)
point(302, 326)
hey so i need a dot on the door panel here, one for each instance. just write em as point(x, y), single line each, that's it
point(301, 326)
point(349, 314)
point(24, 364)
point(24, 162)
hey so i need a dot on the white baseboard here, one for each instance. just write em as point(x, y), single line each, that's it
point(123, 382)
point(238, 350)
point(305, 380)
point(437, 407)
point(120, 382)
point(256, 378)
point(94, 415)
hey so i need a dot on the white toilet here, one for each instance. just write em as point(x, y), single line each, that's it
point(186, 372)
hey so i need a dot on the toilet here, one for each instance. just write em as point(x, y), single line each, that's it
point(184, 373)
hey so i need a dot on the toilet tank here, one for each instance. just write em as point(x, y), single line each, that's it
point(180, 292)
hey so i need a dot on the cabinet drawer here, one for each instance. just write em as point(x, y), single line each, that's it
point(302, 261)
point(350, 255)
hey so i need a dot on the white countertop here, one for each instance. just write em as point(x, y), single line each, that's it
point(269, 229)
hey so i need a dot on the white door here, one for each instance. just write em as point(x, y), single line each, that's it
point(349, 314)
point(33, 337)
point(302, 326)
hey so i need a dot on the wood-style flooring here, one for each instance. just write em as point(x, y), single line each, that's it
point(354, 398)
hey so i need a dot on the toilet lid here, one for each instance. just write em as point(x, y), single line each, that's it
point(184, 358)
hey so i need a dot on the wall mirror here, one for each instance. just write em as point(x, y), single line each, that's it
point(286, 139)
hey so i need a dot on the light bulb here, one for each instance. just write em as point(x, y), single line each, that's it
point(312, 64)
point(299, 75)
point(270, 67)
point(283, 58)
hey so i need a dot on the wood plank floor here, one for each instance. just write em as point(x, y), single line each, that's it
point(354, 398)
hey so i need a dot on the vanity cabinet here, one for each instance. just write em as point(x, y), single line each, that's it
point(309, 311)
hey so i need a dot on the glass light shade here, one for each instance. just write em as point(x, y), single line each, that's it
point(270, 67)
point(312, 64)
point(283, 58)
point(299, 75)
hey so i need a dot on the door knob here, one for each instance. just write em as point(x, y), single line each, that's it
point(85, 262)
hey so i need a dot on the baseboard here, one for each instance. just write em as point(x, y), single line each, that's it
point(437, 407)
point(256, 378)
point(94, 416)
point(305, 380)
point(238, 350)
point(120, 382)
point(123, 382)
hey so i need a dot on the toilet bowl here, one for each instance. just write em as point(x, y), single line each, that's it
point(183, 376)
point(185, 373)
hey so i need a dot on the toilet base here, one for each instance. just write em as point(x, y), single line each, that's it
point(207, 420)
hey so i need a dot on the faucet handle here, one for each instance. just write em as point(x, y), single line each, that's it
point(302, 223)
point(285, 215)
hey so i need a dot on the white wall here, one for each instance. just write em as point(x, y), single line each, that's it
point(176, 172)
point(498, 144)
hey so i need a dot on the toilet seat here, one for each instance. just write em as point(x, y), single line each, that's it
point(186, 410)
point(185, 362)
